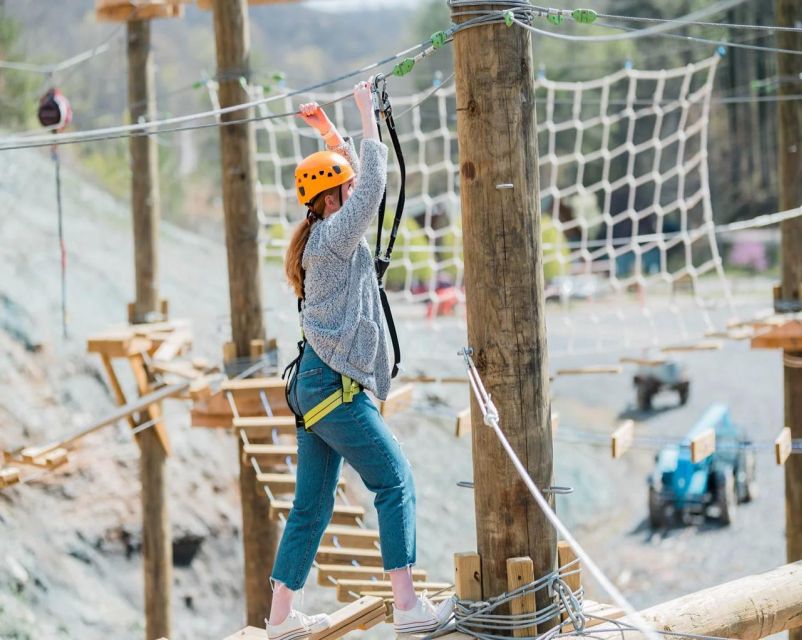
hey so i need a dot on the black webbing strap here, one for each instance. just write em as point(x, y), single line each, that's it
point(383, 111)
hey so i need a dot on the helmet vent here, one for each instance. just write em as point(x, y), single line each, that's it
point(337, 169)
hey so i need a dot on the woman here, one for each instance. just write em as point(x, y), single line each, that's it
point(330, 266)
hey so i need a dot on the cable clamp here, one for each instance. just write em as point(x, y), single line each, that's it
point(584, 16)
point(509, 17)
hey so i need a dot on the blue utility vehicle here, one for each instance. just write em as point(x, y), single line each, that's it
point(711, 487)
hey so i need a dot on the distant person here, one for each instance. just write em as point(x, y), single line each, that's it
point(330, 266)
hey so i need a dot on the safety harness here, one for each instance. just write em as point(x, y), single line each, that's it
point(382, 111)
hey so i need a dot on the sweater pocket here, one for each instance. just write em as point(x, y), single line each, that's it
point(366, 342)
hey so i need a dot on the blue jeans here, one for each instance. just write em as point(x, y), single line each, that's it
point(355, 432)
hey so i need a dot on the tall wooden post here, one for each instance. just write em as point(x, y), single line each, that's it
point(238, 151)
point(789, 14)
point(496, 127)
point(145, 201)
point(157, 547)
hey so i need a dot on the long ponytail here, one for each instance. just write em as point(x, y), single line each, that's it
point(293, 261)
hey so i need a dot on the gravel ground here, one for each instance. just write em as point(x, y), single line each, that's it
point(69, 559)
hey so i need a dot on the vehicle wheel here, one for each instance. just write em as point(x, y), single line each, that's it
point(657, 518)
point(684, 392)
point(726, 499)
point(644, 397)
point(750, 464)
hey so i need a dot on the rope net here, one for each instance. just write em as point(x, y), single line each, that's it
point(625, 201)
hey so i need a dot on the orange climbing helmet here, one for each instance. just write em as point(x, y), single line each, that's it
point(319, 172)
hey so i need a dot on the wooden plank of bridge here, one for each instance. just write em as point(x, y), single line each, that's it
point(347, 587)
point(346, 555)
point(783, 446)
point(622, 438)
point(49, 459)
point(343, 513)
point(590, 370)
point(646, 362)
point(704, 345)
point(271, 455)
point(350, 572)
point(283, 483)
point(264, 426)
point(347, 536)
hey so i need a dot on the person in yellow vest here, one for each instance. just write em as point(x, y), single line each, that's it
point(330, 267)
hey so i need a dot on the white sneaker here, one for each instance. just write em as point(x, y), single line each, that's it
point(297, 625)
point(424, 616)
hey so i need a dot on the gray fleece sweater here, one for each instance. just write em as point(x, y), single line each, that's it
point(342, 316)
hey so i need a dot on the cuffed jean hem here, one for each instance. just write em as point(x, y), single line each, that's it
point(286, 583)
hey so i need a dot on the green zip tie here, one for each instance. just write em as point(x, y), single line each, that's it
point(439, 39)
point(198, 84)
point(266, 88)
point(278, 76)
point(555, 18)
point(584, 16)
point(404, 67)
point(508, 17)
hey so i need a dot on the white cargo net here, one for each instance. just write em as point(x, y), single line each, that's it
point(624, 195)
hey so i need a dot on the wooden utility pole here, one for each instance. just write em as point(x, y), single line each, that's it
point(238, 152)
point(496, 128)
point(157, 550)
point(789, 14)
point(145, 201)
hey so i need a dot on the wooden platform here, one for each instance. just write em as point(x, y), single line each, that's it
point(787, 336)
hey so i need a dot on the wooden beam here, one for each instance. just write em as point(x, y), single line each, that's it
point(622, 438)
point(8, 476)
point(749, 608)
point(123, 412)
point(397, 401)
point(520, 571)
point(703, 445)
point(118, 345)
point(468, 575)
point(154, 410)
point(783, 446)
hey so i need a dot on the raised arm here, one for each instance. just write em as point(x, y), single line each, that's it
point(345, 229)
